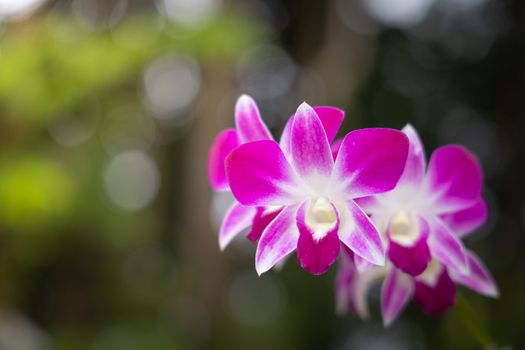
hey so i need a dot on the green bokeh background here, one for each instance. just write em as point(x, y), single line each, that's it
point(83, 266)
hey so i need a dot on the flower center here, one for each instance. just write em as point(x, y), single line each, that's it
point(322, 212)
point(320, 217)
point(403, 228)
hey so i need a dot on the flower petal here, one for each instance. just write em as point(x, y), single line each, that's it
point(261, 220)
point(414, 258)
point(237, 218)
point(454, 174)
point(362, 264)
point(331, 118)
point(447, 248)
point(370, 161)
point(396, 292)
point(436, 299)
point(318, 244)
point(259, 174)
point(311, 154)
point(344, 283)
point(465, 221)
point(248, 121)
point(414, 171)
point(223, 144)
point(336, 146)
point(479, 278)
point(358, 233)
point(278, 240)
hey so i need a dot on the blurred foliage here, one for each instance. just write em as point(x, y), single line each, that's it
point(50, 65)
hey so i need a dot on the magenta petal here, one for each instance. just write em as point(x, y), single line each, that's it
point(236, 219)
point(479, 278)
point(278, 240)
point(436, 299)
point(223, 144)
point(259, 174)
point(465, 221)
point(331, 118)
point(316, 254)
point(344, 283)
point(361, 263)
point(411, 259)
point(248, 120)
point(359, 234)
point(336, 146)
point(414, 171)
point(370, 161)
point(447, 248)
point(311, 154)
point(261, 220)
point(396, 292)
point(455, 174)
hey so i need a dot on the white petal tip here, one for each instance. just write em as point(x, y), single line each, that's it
point(492, 293)
point(387, 322)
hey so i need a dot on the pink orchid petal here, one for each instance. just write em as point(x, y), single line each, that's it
point(479, 279)
point(396, 292)
point(447, 248)
point(259, 174)
point(248, 121)
point(466, 221)
point(311, 154)
point(237, 218)
point(358, 233)
point(362, 264)
point(261, 220)
point(370, 161)
point(344, 283)
point(223, 144)
point(278, 240)
point(414, 171)
point(336, 146)
point(413, 259)
point(436, 299)
point(454, 174)
point(331, 118)
point(316, 250)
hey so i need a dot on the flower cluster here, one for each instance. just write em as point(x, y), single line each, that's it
point(368, 200)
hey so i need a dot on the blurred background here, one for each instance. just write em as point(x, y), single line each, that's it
point(108, 227)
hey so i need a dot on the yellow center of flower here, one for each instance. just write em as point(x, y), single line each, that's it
point(320, 217)
point(322, 211)
point(404, 228)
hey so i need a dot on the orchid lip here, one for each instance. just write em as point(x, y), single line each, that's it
point(431, 274)
point(404, 228)
point(321, 216)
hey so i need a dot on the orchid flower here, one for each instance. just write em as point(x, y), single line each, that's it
point(426, 214)
point(434, 290)
point(315, 192)
point(250, 127)
point(422, 221)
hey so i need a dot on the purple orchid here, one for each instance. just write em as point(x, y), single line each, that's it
point(316, 192)
point(434, 290)
point(250, 127)
point(427, 213)
point(422, 221)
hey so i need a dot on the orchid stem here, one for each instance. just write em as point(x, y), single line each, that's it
point(471, 321)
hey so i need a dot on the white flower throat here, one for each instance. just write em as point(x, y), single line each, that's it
point(320, 217)
point(404, 228)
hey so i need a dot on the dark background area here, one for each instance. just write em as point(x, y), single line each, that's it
point(108, 227)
